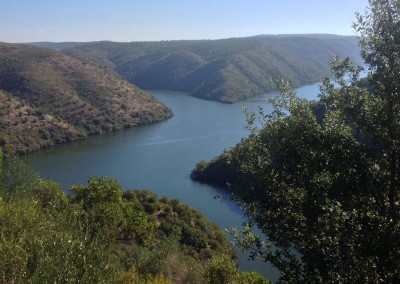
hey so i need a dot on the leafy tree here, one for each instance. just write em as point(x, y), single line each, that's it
point(1, 159)
point(381, 122)
point(41, 242)
point(325, 189)
point(16, 177)
point(222, 269)
point(107, 214)
point(252, 278)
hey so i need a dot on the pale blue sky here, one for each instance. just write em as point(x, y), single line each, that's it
point(142, 20)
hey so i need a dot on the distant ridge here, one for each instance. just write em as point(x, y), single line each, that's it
point(58, 46)
point(47, 98)
point(225, 70)
point(317, 36)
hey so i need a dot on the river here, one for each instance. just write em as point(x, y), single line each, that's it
point(160, 157)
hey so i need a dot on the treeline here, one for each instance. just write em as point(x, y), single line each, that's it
point(100, 234)
point(225, 70)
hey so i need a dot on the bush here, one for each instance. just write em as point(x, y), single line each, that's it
point(222, 269)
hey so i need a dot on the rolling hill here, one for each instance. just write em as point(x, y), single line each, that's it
point(225, 70)
point(47, 98)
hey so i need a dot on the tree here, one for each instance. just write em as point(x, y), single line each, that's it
point(325, 188)
point(41, 242)
point(110, 216)
point(16, 177)
point(222, 269)
point(380, 44)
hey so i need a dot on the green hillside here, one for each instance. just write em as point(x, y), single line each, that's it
point(102, 234)
point(224, 70)
point(48, 98)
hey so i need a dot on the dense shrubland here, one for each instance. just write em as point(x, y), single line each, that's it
point(100, 234)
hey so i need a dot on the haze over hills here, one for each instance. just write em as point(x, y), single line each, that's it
point(225, 70)
point(47, 97)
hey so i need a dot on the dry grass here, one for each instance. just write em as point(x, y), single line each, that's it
point(74, 99)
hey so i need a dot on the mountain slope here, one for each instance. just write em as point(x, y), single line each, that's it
point(225, 70)
point(67, 98)
point(58, 46)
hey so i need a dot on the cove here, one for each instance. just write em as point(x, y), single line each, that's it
point(160, 157)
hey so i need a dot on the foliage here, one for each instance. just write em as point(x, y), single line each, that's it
point(165, 256)
point(221, 171)
point(252, 278)
point(222, 270)
point(100, 234)
point(197, 236)
point(108, 215)
point(324, 188)
point(17, 178)
point(321, 194)
point(41, 241)
point(37, 247)
point(132, 276)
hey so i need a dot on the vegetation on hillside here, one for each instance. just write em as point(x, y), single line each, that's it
point(325, 189)
point(100, 234)
point(58, 45)
point(224, 70)
point(48, 98)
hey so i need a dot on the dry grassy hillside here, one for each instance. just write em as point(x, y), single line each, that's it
point(49, 98)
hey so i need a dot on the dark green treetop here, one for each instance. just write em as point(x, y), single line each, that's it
point(327, 188)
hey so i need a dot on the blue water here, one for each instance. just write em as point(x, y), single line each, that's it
point(160, 157)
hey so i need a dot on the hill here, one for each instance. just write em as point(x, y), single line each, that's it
point(102, 234)
point(58, 46)
point(225, 70)
point(47, 97)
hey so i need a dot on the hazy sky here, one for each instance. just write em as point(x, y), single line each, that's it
point(142, 20)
